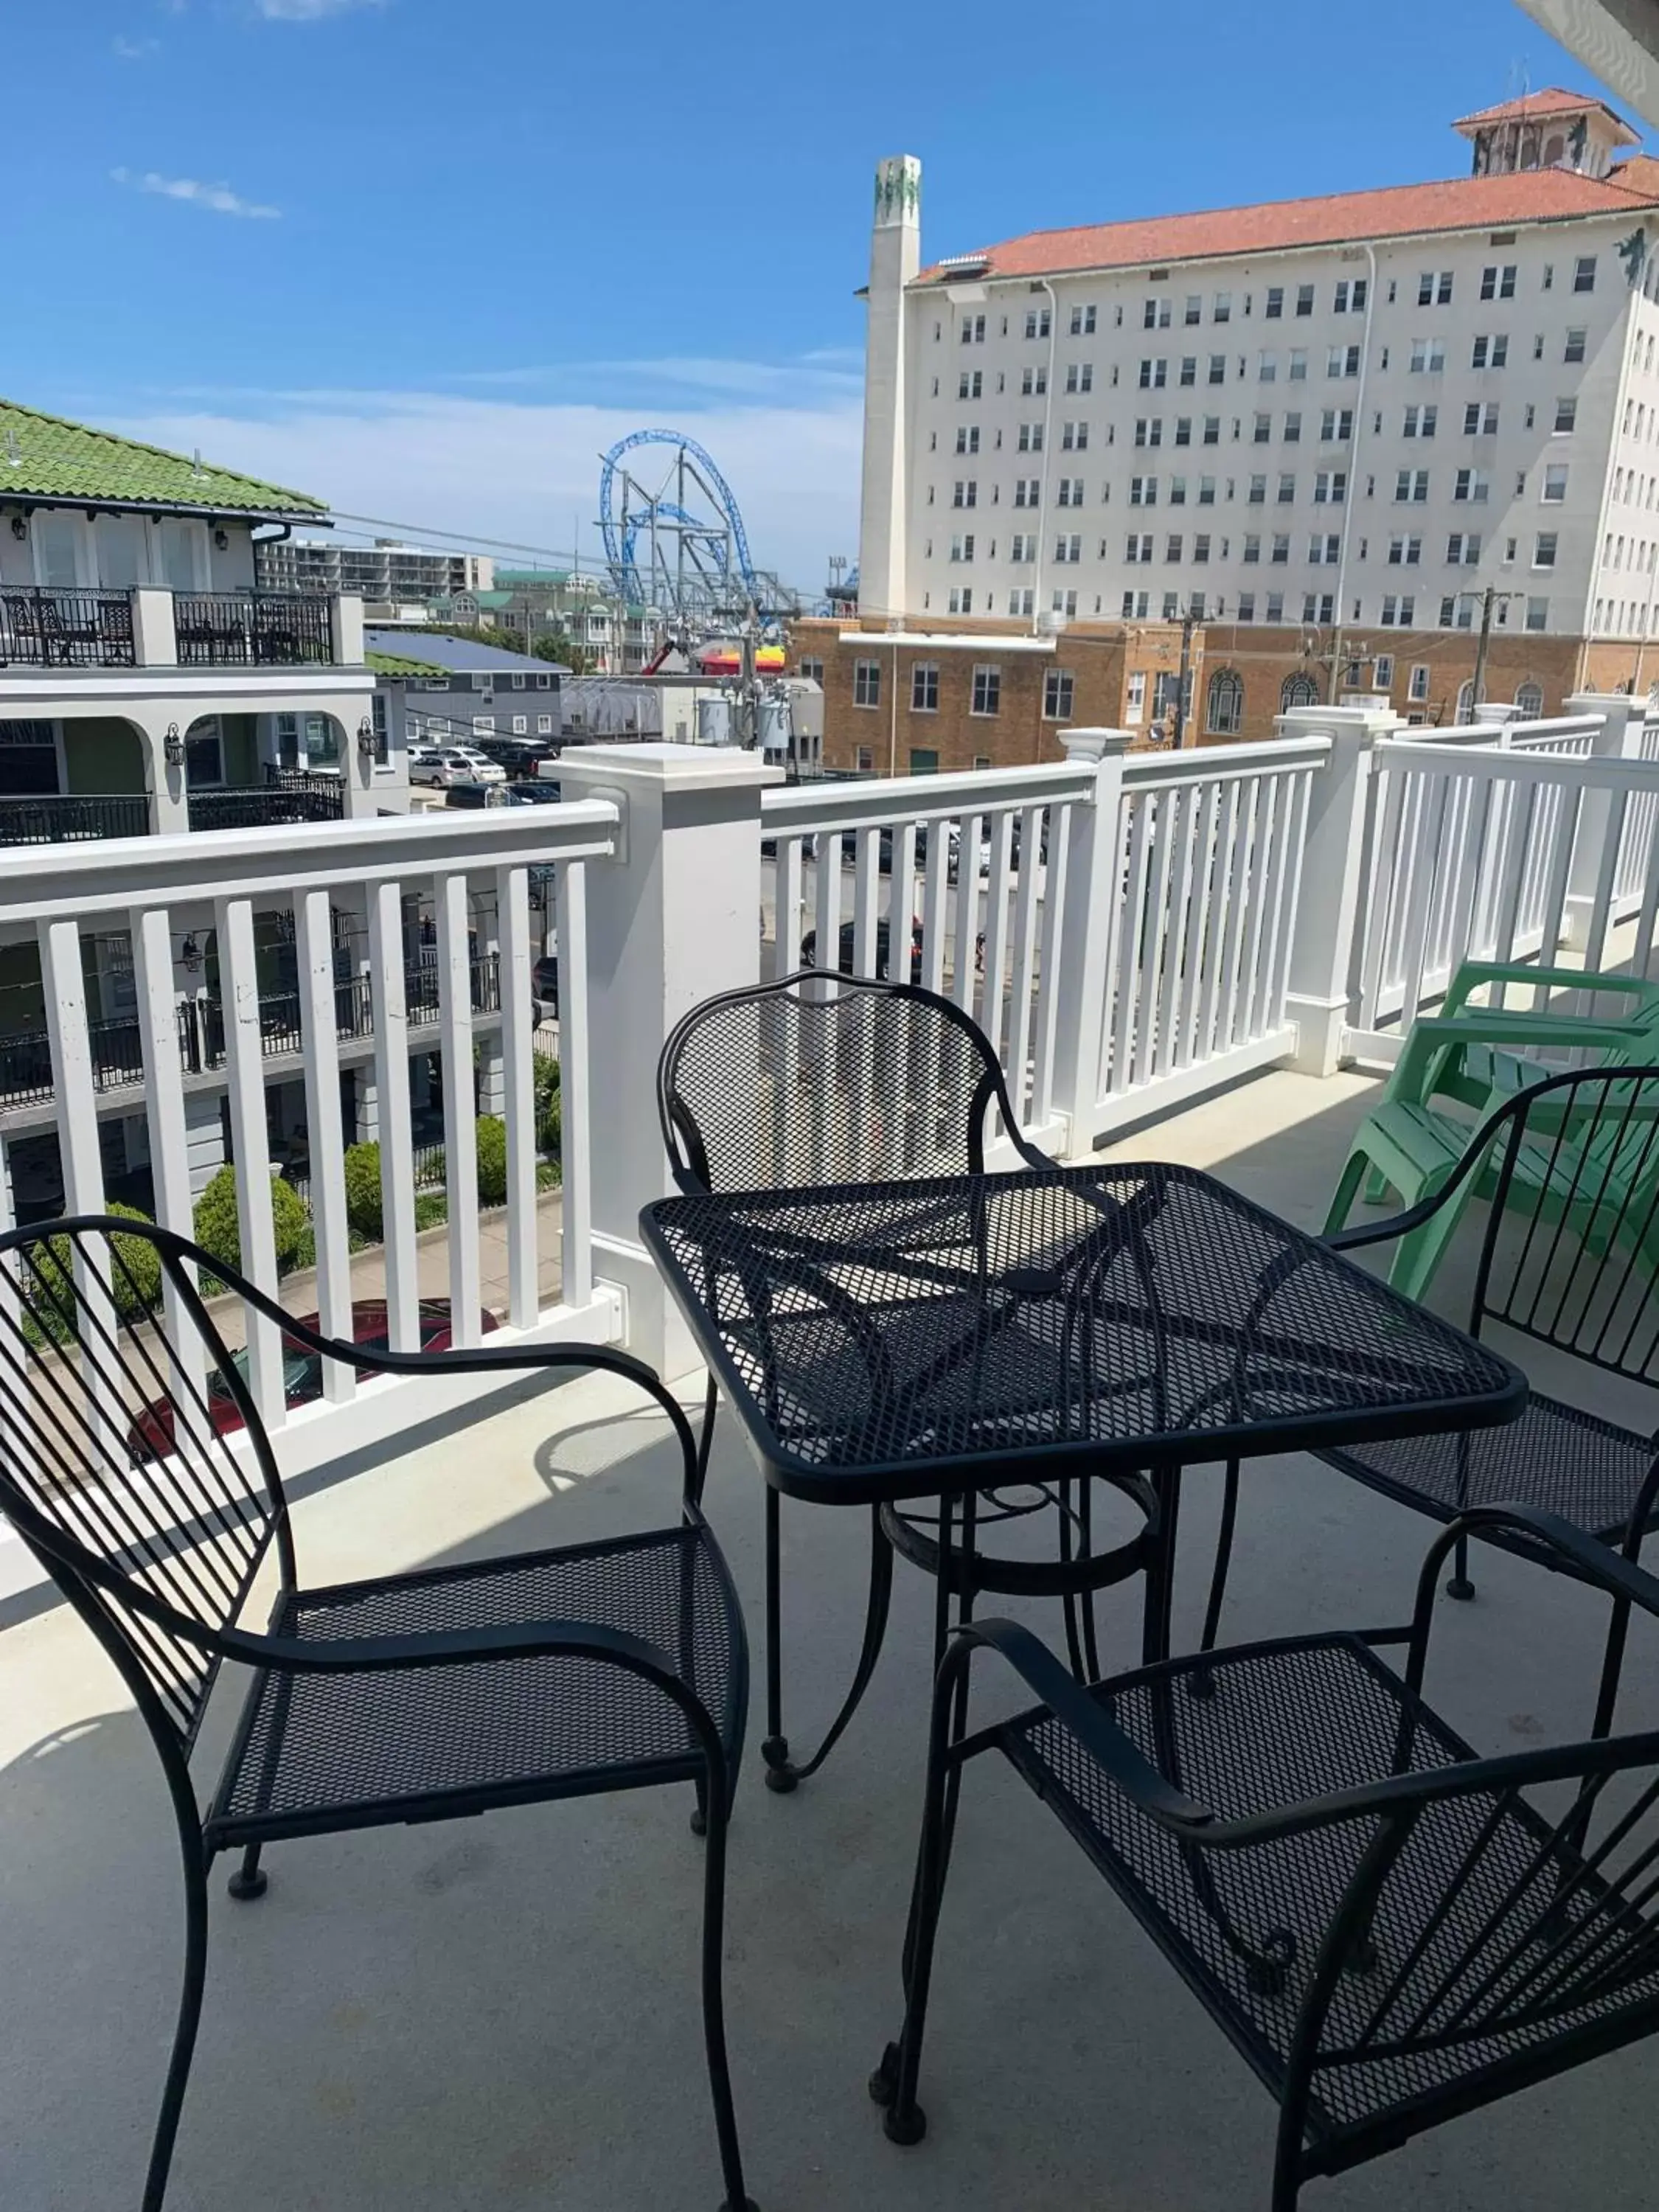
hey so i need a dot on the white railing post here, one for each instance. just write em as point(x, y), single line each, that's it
point(675, 917)
point(1618, 738)
point(1089, 905)
point(154, 638)
point(1323, 961)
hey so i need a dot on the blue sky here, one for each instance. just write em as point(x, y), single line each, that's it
point(427, 261)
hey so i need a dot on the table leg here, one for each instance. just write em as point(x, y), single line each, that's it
point(783, 1773)
point(1160, 1568)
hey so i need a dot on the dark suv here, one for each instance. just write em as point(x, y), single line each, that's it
point(809, 949)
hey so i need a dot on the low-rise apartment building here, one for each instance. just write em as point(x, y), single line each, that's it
point(1316, 432)
point(388, 575)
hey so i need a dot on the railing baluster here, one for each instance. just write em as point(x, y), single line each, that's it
point(460, 1106)
point(518, 1037)
point(997, 884)
point(315, 934)
point(967, 910)
point(164, 1118)
point(1047, 1020)
point(239, 984)
point(576, 1107)
point(1023, 984)
point(385, 952)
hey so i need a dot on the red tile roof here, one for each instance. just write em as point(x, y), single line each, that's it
point(1554, 101)
point(1339, 218)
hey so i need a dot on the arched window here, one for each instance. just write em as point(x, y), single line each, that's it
point(1529, 701)
point(1466, 701)
point(1225, 711)
point(1555, 149)
point(1298, 690)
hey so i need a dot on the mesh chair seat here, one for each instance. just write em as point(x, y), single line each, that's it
point(383, 1740)
point(1287, 1724)
point(1555, 1456)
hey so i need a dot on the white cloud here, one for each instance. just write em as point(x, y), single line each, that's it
point(219, 198)
point(135, 50)
point(306, 11)
point(525, 471)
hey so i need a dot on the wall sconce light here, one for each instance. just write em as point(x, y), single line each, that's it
point(173, 746)
point(190, 956)
point(366, 738)
point(220, 538)
point(19, 529)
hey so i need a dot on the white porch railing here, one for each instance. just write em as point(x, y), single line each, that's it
point(472, 874)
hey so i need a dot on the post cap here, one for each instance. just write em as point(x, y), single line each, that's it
point(1094, 744)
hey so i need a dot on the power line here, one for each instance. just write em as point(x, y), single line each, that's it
point(457, 538)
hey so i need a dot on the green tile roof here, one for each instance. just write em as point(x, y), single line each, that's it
point(395, 664)
point(43, 457)
point(532, 576)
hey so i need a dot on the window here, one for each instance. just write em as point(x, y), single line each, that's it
point(973, 329)
point(543, 725)
point(483, 725)
point(1155, 315)
point(1022, 603)
point(1246, 607)
point(1420, 422)
point(1070, 492)
point(1134, 705)
point(1154, 374)
point(1286, 489)
point(1138, 549)
point(1190, 369)
point(1398, 612)
point(1036, 323)
point(1021, 547)
point(1074, 437)
point(1274, 306)
point(1412, 484)
point(962, 599)
point(1434, 288)
point(1428, 356)
point(1149, 430)
point(1083, 322)
point(1464, 549)
point(970, 385)
point(1330, 487)
point(1297, 370)
point(1574, 347)
point(967, 439)
point(1298, 690)
point(1304, 299)
point(1252, 548)
point(1224, 708)
point(1480, 419)
point(1543, 551)
point(962, 547)
point(544, 678)
point(1080, 376)
point(1057, 686)
point(1336, 426)
point(1530, 699)
point(1275, 607)
point(1281, 548)
point(987, 691)
point(1498, 283)
point(1183, 430)
point(924, 687)
point(964, 493)
point(1325, 549)
point(1172, 547)
point(1382, 671)
point(924, 759)
point(866, 684)
point(1405, 551)
point(1068, 548)
point(1583, 273)
point(1258, 492)
point(1489, 352)
point(1223, 309)
point(1555, 483)
point(1264, 429)
point(1030, 438)
point(1292, 428)
point(1566, 416)
point(1213, 429)
point(1350, 295)
point(1470, 484)
point(1266, 366)
point(1177, 491)
point(1342, 361)
point(1143, 491)
point(1217, 368)
point(1206, 491)
point(1028, 491)
point(1201, 547)
point(1538, 614)
point(1033, 383)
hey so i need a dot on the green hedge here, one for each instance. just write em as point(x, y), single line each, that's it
point(218, 1231)
point(135, 1280)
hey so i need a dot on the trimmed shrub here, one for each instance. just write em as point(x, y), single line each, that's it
point(218, 1231)
point(135, 1280)
point(492, 1160)
point(549, 1108)
point(362, 1191)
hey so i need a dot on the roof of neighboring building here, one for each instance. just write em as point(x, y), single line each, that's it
point(1335, 219)
point(395, 664)
point(457, 655)
point(48, 457)
point(1533, 107)
point(532, 576)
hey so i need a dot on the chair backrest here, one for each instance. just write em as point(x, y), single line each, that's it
point(824, 1079)
point(120, 1402)
point(1571, 1256)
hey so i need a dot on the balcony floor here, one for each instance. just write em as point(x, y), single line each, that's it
point(503, 2014)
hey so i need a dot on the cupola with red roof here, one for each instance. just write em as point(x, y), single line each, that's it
point(1550, 130)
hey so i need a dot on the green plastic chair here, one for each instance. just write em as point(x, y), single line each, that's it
point(1456, 1068)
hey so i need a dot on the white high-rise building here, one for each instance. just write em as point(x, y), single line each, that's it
point(1338, 415)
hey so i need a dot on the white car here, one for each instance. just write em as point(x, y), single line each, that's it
point(451, 764)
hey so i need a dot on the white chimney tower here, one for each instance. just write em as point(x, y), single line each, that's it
point(895, 258)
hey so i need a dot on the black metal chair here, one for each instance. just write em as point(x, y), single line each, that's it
point(1570, 1259)
point(828, 1078)
point(134, 1463)
point(1391, 1930)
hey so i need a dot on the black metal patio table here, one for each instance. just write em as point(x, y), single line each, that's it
point(931, 1340)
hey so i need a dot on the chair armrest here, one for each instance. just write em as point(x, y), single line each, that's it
point(453, 1647)
point(1434, 1034)
point(1100, 1736)
point(1472, 973)
point(1597, 1562)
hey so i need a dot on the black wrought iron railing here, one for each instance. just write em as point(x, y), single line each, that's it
point(48, 626)
point(249, 629)
point(43, 820)
point(287, 796)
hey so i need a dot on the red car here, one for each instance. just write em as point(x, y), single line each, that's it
point(152, 1433)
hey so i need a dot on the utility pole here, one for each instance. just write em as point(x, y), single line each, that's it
point(1490, 597)
point(1184, 686)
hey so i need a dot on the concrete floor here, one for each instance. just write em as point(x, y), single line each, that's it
point(501, 2014)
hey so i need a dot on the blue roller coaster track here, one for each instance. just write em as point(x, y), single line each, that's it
point(713, 555)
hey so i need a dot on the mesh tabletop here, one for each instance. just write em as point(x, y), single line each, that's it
point(902, 1339)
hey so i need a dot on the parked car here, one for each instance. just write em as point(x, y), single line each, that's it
point(533, 791)
point(151, 1436)
point(886, 846)
point(544, 987)
point(473, 794)
point(809, 949)
point(519, 756)
point(809, 847)
point(449, 764)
